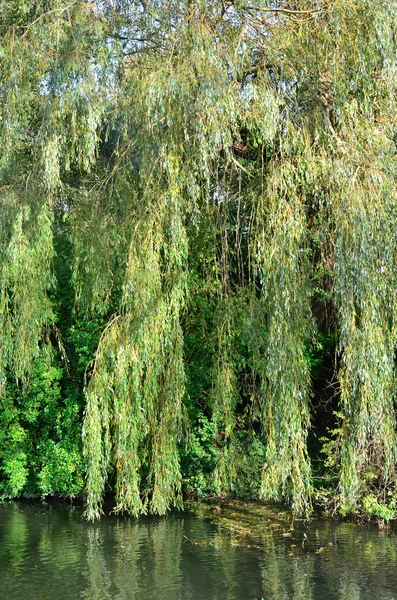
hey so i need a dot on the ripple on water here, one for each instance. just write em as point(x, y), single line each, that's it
point(49, 553)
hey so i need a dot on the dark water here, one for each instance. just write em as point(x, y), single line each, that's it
point(49, 553)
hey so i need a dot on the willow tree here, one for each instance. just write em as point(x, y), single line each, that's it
point(263, 132)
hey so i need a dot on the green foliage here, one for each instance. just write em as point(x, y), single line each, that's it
point(319, 347)
point(40, 445)
point(197, 198)
point(200, 460)
point(381, 511)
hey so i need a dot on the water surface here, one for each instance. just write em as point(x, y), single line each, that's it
point(50, 553)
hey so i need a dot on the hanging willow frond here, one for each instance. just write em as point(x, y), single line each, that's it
point(135, 412)
point(26, 277)
point(365, 283)
point(285, 378)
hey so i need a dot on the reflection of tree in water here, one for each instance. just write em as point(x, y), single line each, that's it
point(359, 568)
point(98, 576)
point(52, 554)
point(129, 538)
point(285, 576)
point(316, 560)
point(216, 561)
point(40, 549)
point(166, 540)
point(61, 542)
point(165, 558)
point(338, 562)
point(15, 539)
point(148, 558)
point(13, 550)
point(130, 557)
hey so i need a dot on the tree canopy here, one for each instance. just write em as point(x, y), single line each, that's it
point(207, 191)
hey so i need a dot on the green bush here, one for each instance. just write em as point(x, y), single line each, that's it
point(40, 437)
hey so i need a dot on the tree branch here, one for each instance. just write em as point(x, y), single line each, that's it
point(49, 12)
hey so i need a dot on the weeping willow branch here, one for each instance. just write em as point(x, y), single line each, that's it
point(134, 414)
point(26, 277)
point(365, 284)
point(284, 372)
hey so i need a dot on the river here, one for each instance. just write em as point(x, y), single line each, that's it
point(236, 552)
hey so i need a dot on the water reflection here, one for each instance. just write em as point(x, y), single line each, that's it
point(50, 553)
point(99, 580)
